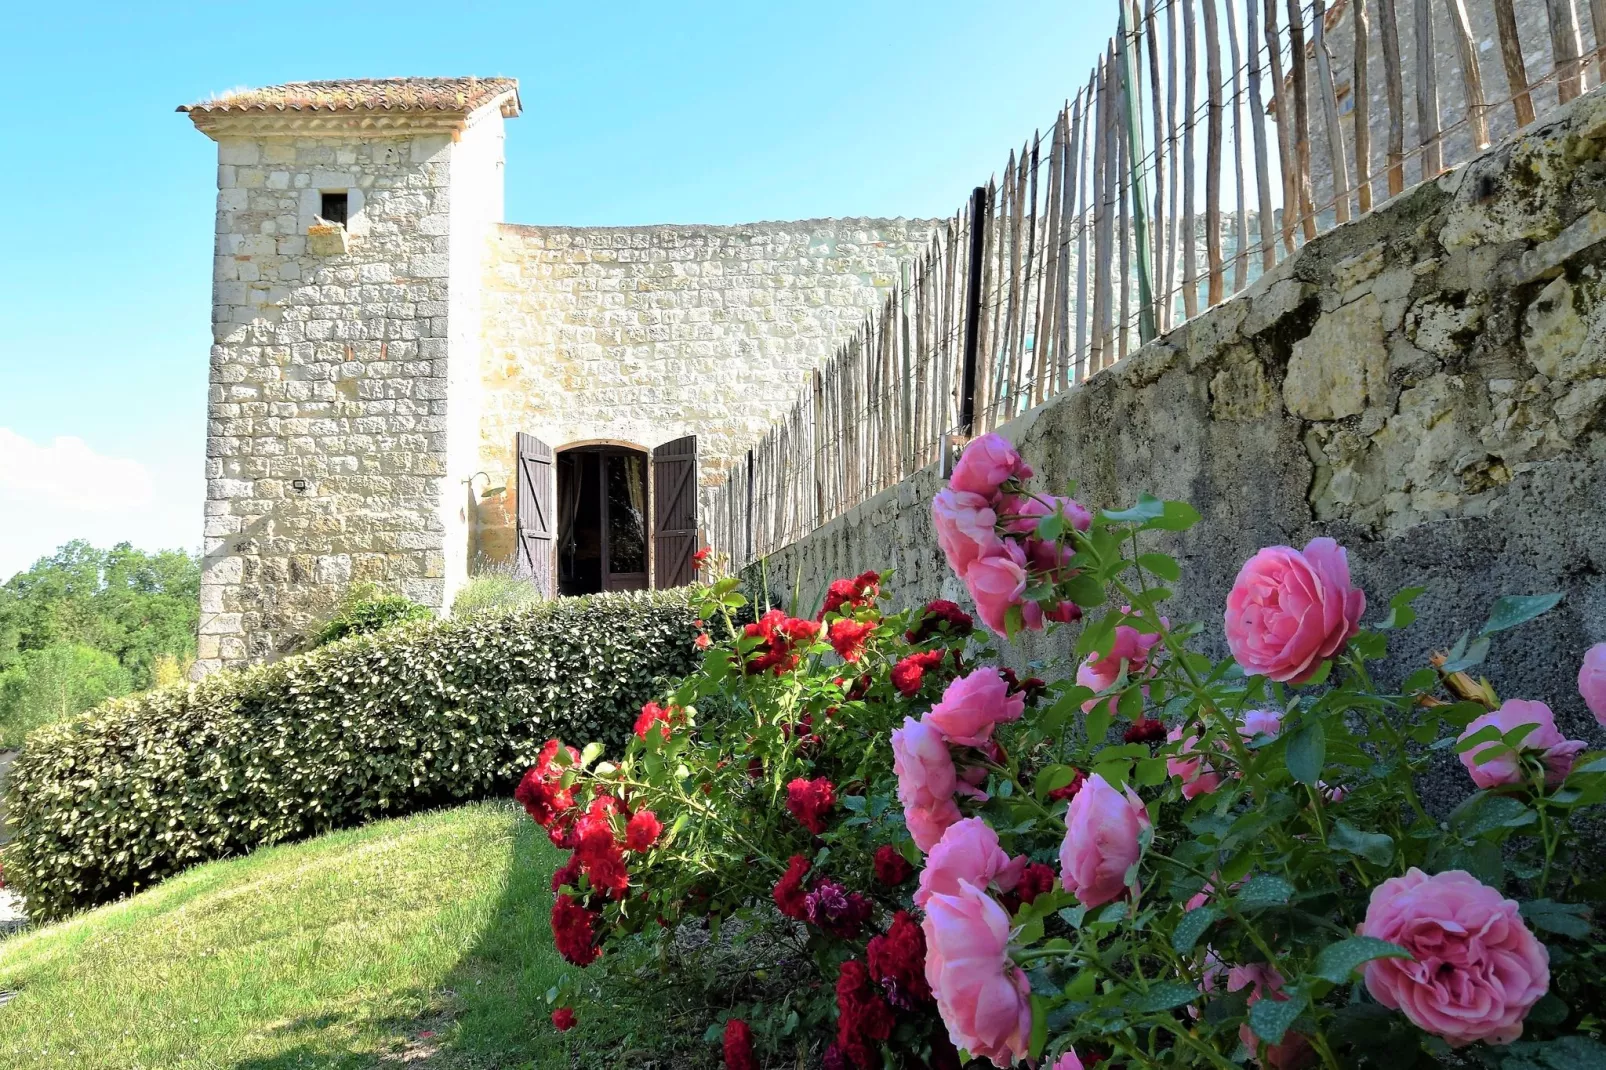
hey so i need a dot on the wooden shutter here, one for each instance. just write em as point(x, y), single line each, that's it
point(674, 494)
point(536, 517)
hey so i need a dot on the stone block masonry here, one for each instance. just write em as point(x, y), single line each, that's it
point(381, 338)
point(1427, 385)
point(640, 335)
point(329, 436)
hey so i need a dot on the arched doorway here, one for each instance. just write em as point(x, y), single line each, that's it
point(602, 519)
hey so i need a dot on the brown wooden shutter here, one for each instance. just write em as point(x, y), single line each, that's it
point(536, 517)
point(674, 493)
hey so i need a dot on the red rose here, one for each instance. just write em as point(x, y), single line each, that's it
point(865, 1019)
point(572, 930)
point(940, 617)
point(1145, 731)
point(564, 1019)
point(642, 830)
point(781, 636)
point(541, 797)
point(788, 894)
point(848, 637)
point(702, 642)
point(598, 850)
point(909, 674)
point(699, 559)
point(856, 593)
point(568, 873)
point(898, 962)
point(652, 714)
point(739, 1046)
point(891, 868)
point(809, 801)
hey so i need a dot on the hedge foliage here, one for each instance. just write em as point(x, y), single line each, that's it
point(376, 725)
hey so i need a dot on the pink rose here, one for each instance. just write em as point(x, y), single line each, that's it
point(1263, 981)
point(969, 852)
point(1543, 740)
point(1102, 842)
point(927, 823)
point(984, 998)
point(1475, 969)
point(1289, 610)
point(965, 525)
point(1188, 765)
point(984, 466)
point(1028, 509)
point(1260, 723)
point(997, 580)
point(974, 703)
point(1592, 682)
point(1131, 647)
point(925, 769)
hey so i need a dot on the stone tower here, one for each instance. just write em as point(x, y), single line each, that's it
point(352, 225)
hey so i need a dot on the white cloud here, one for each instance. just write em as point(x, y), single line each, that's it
point(69, 474)
point(51, 494)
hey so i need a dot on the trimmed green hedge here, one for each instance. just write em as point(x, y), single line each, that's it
point(375, 725)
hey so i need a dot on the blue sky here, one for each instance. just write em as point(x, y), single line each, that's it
point(633, 113)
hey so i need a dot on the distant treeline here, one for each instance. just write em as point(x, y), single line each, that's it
point(86, 624)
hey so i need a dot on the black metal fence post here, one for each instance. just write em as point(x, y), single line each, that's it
point(748, 557)
point(978, 247)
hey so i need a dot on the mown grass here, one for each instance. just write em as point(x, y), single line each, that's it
point(421, 942)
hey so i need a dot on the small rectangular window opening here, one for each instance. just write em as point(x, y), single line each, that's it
point(333, 208)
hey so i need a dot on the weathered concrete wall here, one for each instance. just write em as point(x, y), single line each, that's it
point(643, 334)
point(1427, 385)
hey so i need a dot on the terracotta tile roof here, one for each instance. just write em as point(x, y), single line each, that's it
point(461, 95)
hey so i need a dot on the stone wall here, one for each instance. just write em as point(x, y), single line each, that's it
point(643, 334)
point(1427, 385)
point(332, 368)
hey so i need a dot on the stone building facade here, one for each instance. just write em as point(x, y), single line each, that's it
point(405, 388)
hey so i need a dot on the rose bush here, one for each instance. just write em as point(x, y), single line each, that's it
point(1159, 858)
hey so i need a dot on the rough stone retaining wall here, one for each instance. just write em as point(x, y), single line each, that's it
point(1427, 385)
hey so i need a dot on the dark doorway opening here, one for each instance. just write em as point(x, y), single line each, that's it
point(602, 520)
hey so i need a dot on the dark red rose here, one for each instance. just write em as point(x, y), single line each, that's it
point(809, 801)
point(898, 962)
point(568, 873)
point(940, 617)
point(564, 1019)
point(1034, 881)
point(739, 1046)
point(1069, 791)
point(1147, 730)
point(864, 1017)
point(573, 930)
point(891, 868)
point(788, 893)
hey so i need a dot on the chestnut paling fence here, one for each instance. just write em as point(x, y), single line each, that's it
point(1155, 194)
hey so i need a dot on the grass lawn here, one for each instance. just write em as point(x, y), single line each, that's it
point(421, 942)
